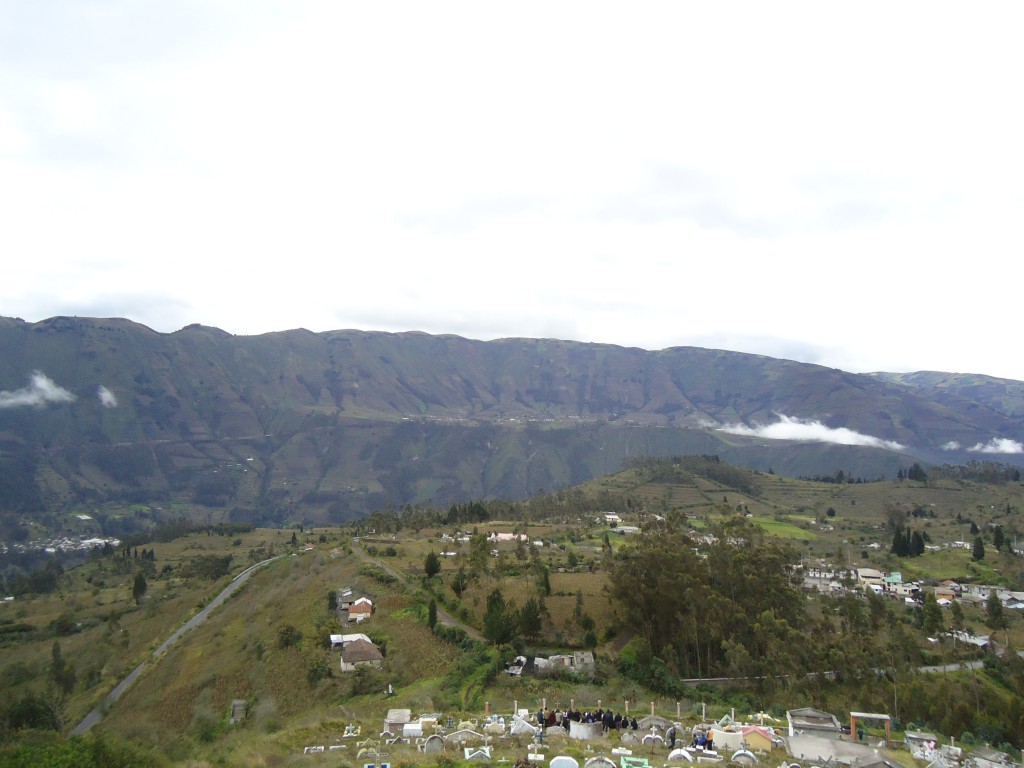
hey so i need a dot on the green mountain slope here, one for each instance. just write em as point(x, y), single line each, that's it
point(326, 426)
point(1004, 396)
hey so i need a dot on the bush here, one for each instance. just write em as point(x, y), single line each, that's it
point(32, 710)
point(288, 636)
point(316, 670)
point(366, 680)
point(81, 752)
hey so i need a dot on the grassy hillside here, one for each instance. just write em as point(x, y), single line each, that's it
point(296, 693)
point(1001, 395)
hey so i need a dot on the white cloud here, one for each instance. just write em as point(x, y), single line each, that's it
point(998, 445)
point(952, 445)
point(108, 398)
point(38, 393)
point(789, 428)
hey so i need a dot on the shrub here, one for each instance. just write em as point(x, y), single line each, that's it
point(288, 636)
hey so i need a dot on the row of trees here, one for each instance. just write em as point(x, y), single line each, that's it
point(907, 544)
point(915, 473)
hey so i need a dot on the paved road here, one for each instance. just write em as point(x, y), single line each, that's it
point(953, 667)
point(442, 615)
point(236, 583)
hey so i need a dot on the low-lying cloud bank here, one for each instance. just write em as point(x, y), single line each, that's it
point(789, 428)
point(995, 445)
point(998, 445)
point(40, 391)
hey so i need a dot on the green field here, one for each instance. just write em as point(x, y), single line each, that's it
point(786, 530)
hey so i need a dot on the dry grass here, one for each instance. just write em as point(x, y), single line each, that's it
point(196, 681)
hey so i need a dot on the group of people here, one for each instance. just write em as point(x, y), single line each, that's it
point(609, 720)
point(705, 741)
point(614, 721)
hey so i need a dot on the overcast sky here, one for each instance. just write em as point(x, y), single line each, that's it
point(832, 183)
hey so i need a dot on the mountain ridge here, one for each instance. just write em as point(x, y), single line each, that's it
point(327, 425)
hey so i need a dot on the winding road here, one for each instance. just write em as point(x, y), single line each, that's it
point(236, 583)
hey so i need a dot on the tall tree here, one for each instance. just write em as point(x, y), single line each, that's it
point(998, 538)
point(139, 587)
point(543, 579)
point(956, 616)
point(979, 549)
point(431, 564)
point(916, 544)
point(479, 551)
point(995, 616)
point(899, 546)
point(62, 672)
point(531, 618)
point(459, 583)
point(500, 619)
point(932, 618)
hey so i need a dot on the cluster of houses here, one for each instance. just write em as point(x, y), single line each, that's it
point(352, 609)
point(827, 578)
point(885, 583)
point(494, 538)
point(356, 649)
point(978, 594)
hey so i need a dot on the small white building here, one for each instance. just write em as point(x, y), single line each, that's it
point(338, 641)
point(507, 537)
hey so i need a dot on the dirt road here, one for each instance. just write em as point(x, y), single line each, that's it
point(97, 714)
point(442, 615)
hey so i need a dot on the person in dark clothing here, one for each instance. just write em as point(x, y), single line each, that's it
point(633, 723)
point(671, 737)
